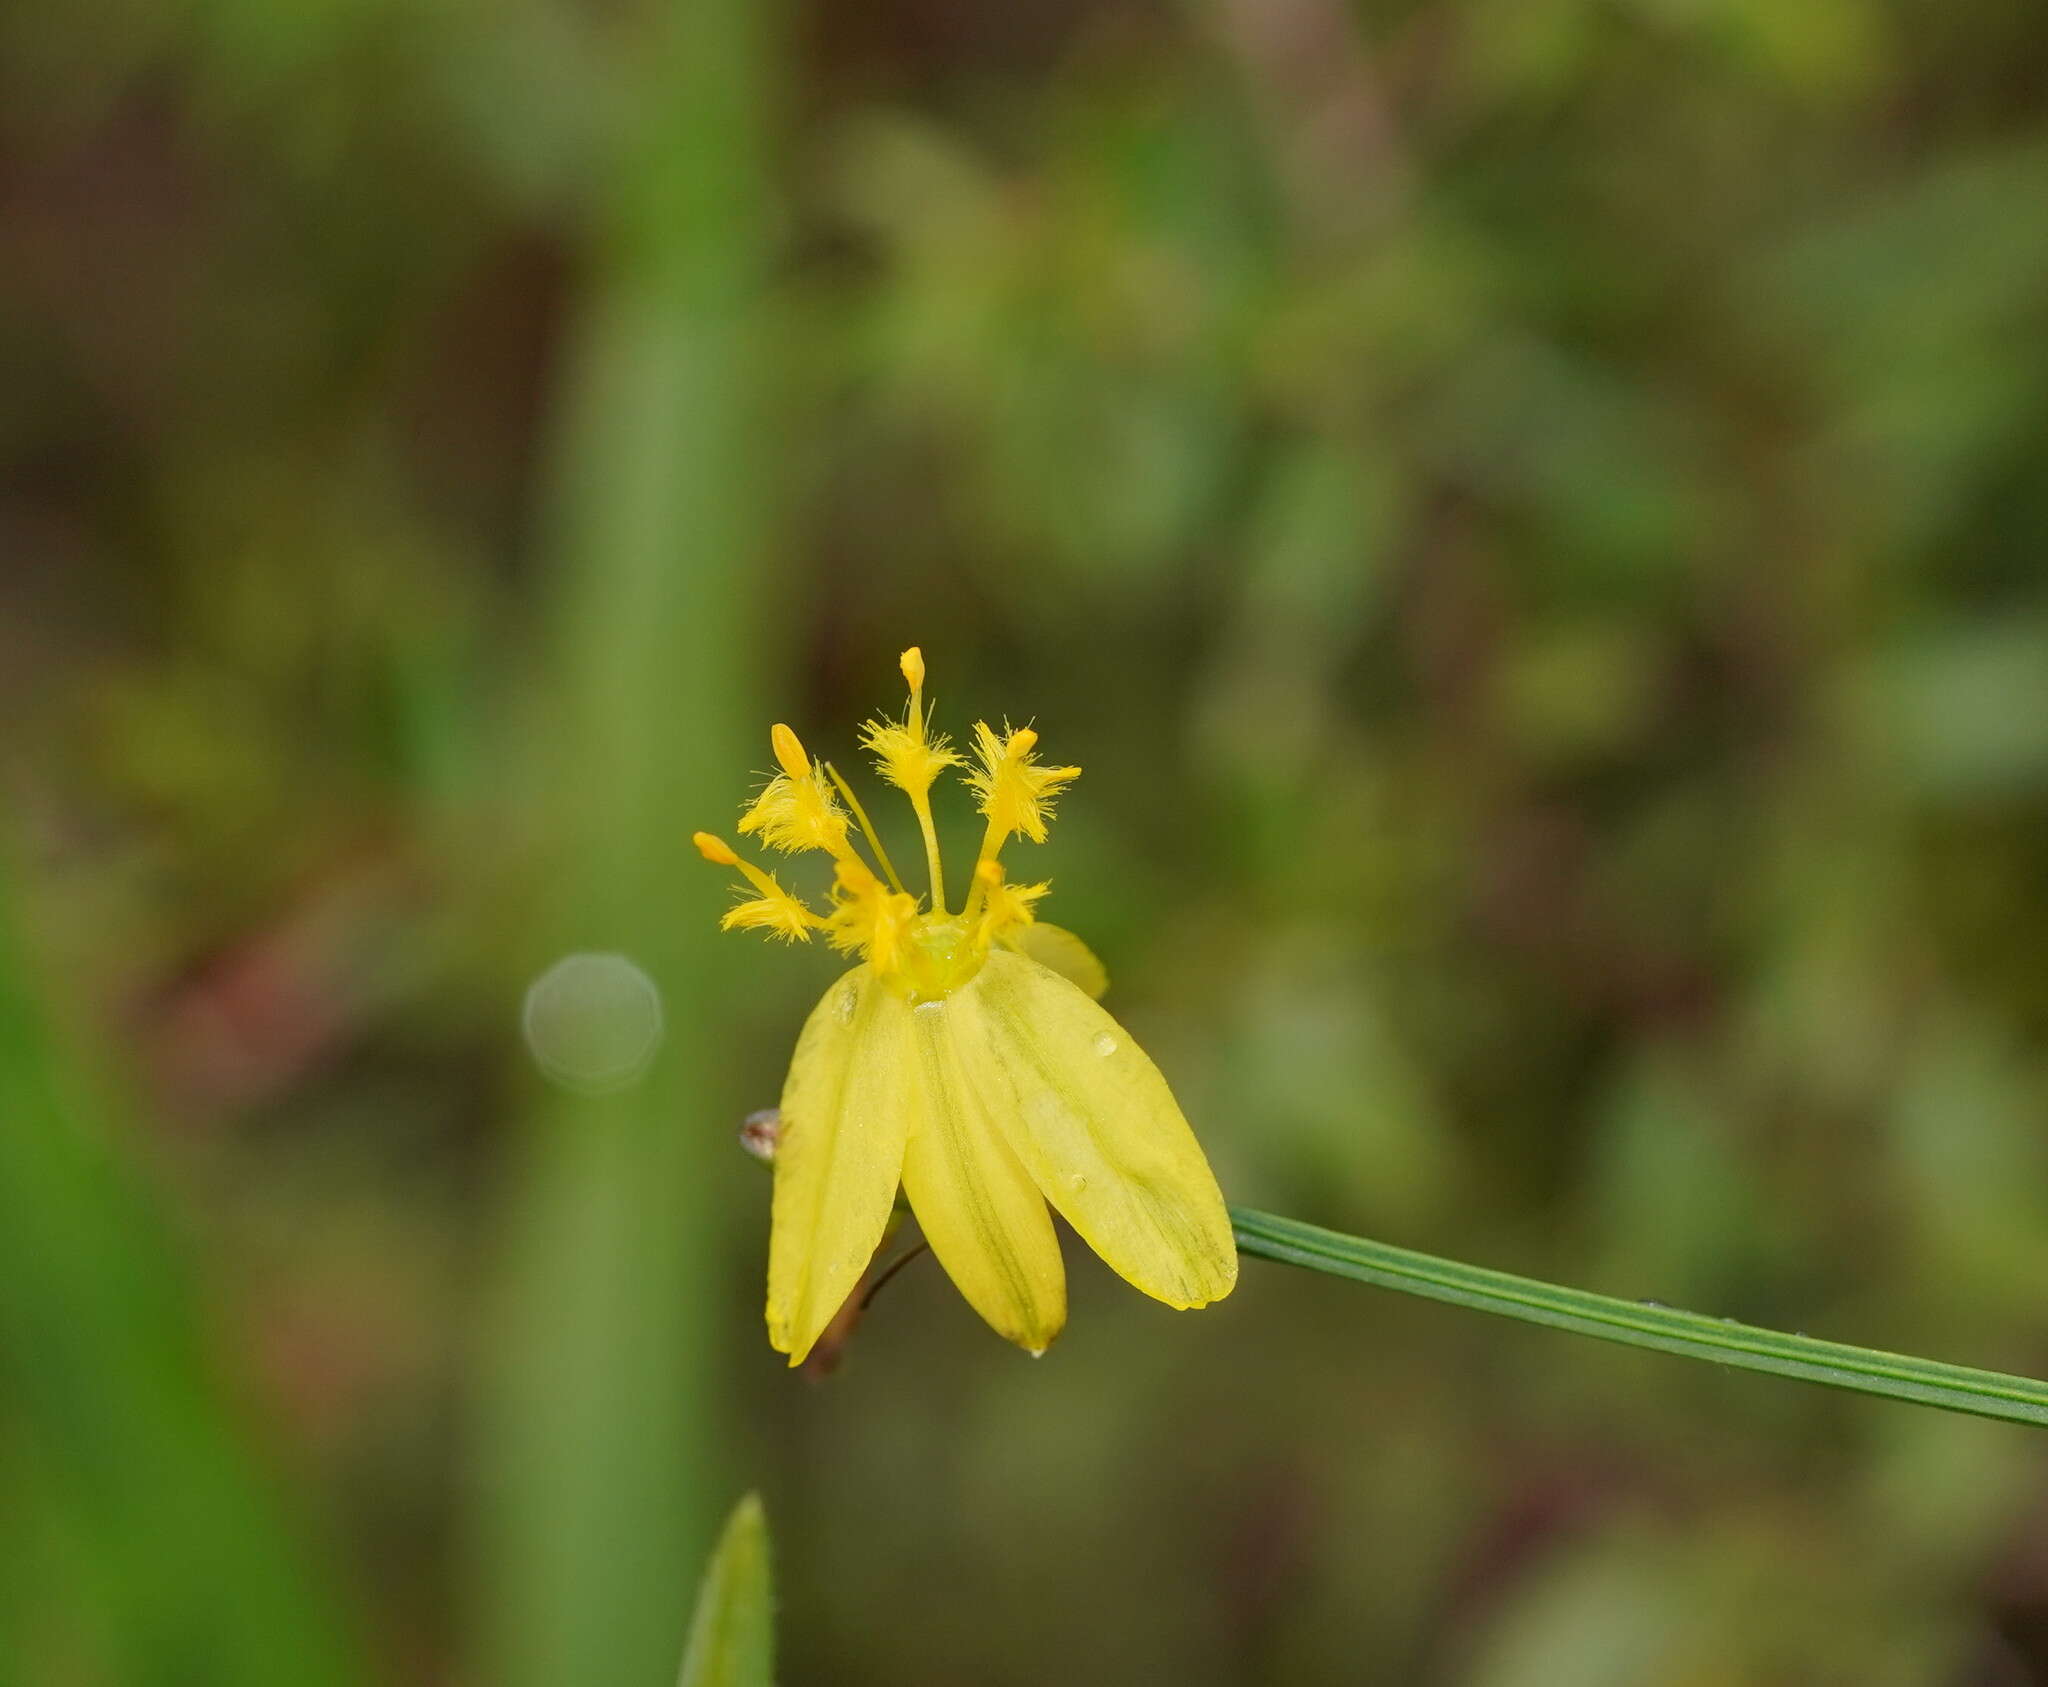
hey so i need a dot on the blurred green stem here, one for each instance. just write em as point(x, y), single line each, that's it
point(1635, 1323)
point(603, 1405)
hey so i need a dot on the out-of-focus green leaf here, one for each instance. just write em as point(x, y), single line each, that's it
point(1600, 1619)
point(1313, 1038)
point(603, 1394)
point(732, 1635)
point(202, 1576)
point(1963, 713)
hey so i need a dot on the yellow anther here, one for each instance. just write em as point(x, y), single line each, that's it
point(789, 752)
point(714, 849)
point(912, 664)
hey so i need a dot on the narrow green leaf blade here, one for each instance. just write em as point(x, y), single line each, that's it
point(1665, 1329)
point(732, 1636)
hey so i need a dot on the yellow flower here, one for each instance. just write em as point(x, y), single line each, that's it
point(964, 1060)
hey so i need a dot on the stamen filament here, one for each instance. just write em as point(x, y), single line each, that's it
point(1016, 748)
point(867, 829)
point(798, 769)
point(921, 800)
point(762, 882)
point(992, 841)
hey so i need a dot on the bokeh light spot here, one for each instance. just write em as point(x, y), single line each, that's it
point(593, 1022)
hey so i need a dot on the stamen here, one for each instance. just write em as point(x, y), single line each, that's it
point(795, 810)
point(807, 805)
point(867, 918)
point(1015, 794)
point(867, 829)
point(920, 800)
point(987, 868)
point(988, 873)
point(720, 853)
point(772, 909)
point(1004, 906)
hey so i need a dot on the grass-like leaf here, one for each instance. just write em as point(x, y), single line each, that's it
point(1691, 1335)
point(732, 1636)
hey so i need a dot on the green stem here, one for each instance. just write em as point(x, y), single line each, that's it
point(601, 1421)
point(1692, 1335)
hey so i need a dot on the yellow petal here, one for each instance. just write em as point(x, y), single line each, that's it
point(1098, 1130)
point(845, 1115)
point(979, 1209)
point(1056, 947)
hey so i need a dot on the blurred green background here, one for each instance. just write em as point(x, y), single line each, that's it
point(1531, 515)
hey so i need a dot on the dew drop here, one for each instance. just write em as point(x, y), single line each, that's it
point(1105, 1044)
point(1077, 1181)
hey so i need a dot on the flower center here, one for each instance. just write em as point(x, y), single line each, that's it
point(923, 955)
point(939, 956)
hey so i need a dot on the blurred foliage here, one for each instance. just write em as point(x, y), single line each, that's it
point(732, 1633)
point(1530, 513)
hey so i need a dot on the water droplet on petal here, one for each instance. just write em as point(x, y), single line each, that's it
point(1105, 1044)
point(1077, 1181)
